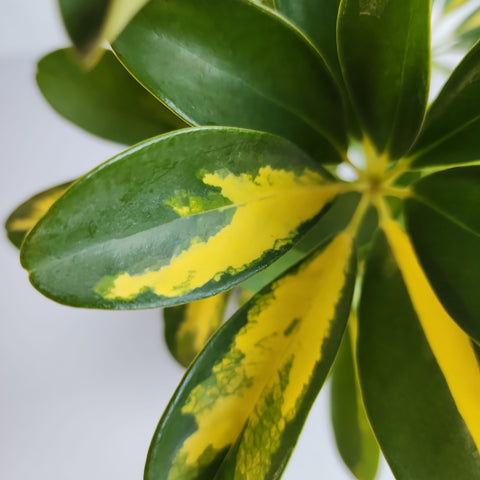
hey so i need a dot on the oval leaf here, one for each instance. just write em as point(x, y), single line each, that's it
point(353, 434)
point(384, 50)
point(255, 381)
point(175, 219)
point(418, 370)
point(189, 327)
point(26, 216)
point(452, 125)
point(444, 223)
point(223, 62)
point(106, 101)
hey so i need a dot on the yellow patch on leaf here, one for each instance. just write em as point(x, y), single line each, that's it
point(269, 209)
point(450, 345)
point(273, 356)
point(38, 208)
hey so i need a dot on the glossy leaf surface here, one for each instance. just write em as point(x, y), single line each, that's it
point(158, 225)
point(419, 373)
point(189, 327)
point(26, 216)
point(384, 51)
point(232, 62)
point(242, 404)
point(353, 434)
point(444, 223)
point(105, 101)
point(91, 22)
point(317, 19)
point(452, 126)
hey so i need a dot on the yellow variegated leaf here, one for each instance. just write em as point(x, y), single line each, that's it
point(25, 217)
point(255, 381)
point(452, 348)
point(158, 226)
point(189, 327)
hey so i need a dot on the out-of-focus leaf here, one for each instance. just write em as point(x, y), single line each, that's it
point(444, 223)
point(159, 226)
point(105, 101)
point(235, 63)
point(25, 217)
point(452, 125)
point(189, 327)
point(242, 404)
point(384, 50)
point(353, 434)
point(418, 370)
point(91, 22)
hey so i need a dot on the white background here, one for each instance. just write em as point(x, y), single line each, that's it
point(81, 391)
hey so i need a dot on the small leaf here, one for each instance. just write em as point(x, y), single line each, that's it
point(189, 327)
point(418, 370)
point(452, 125)
point(384, 50)
point(26, 216)
point(353, 434)
point(158, 226)
point(444, 223)
point(223, 62)
point(241, 406)
point(91, 22)
point(106, 101)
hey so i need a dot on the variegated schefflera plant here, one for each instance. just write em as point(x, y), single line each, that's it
point(378, 271)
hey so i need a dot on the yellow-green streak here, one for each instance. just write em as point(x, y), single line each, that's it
point(201, 320)
point(451, 347)
point(269, 209)
point(38, 207)
point(272, 357)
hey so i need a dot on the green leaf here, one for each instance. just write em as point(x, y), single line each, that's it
point(232, 62)
point(444, 223)
point(353, 434)
point(106, 101)
point(26, 216)
point(418, 370)
point(91, 22)
point(189, 327)
point(384, 50)
point(452, 125)
point(159, 226)
point(241, 406)
point(308, 15)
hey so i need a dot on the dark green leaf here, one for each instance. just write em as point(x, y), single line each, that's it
point(26, 216)
point(444, 222)
point(353, 434)
point(452, 126)
point(232, 62)
point(418, 371)
point(159, 225)
point(241, 406)
point(106, 101)
point(317, 19)
point(384, 50)
point(188, 327)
